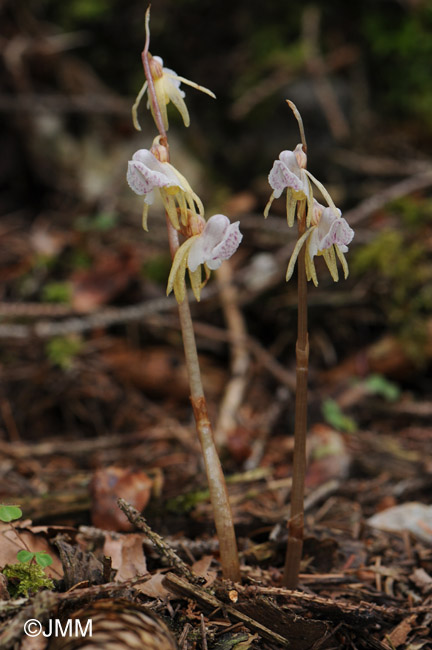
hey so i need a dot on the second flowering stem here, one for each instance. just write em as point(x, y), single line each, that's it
point(216, 480)
point(142, 177)
point(296, 522)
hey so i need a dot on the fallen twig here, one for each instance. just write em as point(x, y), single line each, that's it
point(161, 546)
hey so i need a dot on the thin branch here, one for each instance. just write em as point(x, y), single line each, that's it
point(240, 361)
point(161, 546)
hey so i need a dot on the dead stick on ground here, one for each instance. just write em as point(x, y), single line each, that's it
point(161, 546)
point(183, 588)
point(240, 360)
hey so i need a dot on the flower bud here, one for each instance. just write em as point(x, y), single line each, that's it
point(195, 225)
point(155, 63)
point(160, 152)
point(317, 212)
point(301, 157)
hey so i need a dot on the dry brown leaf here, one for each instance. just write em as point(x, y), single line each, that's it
point(127, 555)
point(202, 568)
point(16, 539)
point(104, 281)
point(110, 483)
point(154, 587)
point(399, 634)
point(160, 371)
point(4, 594)
point(421, 579)
point(329, 456)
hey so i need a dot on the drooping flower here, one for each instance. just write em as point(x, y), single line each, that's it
point(288, 172)
point(329, 236)
point(167, 89)
point(218, 240)
point(146, 173)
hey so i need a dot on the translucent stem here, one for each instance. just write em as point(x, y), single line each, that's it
point(296, 523)
point(216, 481)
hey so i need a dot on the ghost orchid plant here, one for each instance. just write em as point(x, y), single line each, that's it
point(206, 245)
point(321, 231)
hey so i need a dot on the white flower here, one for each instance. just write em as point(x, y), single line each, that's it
point(332, 229)
point(329, 237)
point(146, 173)
point(289, 173)
point(167, 89)
point(286, 173)
point(217, 242)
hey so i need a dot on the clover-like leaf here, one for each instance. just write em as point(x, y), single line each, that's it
point(9, 513)
point(25, 556)
point(43, 559)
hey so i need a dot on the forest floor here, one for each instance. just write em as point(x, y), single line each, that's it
point(95, 406)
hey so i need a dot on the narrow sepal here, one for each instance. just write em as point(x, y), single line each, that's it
point(343, 261)
point(295, 253)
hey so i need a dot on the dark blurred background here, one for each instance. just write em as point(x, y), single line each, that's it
point(71, 243)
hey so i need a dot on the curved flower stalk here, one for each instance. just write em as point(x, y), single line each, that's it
point(147, 173)
point(329, 237)
point(218, 240)
point(321, 231)
point(289, 173)
point(167, 88)
point(163, 86)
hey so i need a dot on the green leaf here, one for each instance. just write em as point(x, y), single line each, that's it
point(62, 350)
point(101, 222)
point(379, 385)
point(9, 513)
point(43, 559)
point(57, 292)
point(25, 556)
point(336, 418)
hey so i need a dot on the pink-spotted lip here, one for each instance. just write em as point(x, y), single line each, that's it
point(217, 242)
point(146, 172)
point(287, 173)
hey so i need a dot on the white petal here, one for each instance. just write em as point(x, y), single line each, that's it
point(218, 241)
point(286, 173)
point(149, 198)
point(171, 77)
point(289, 160)
point(214, 232)
point(334, 229)
point(145, 173)
point(230, 242)
point(214, 264)
point(276, 179)
point(343, 234)
point(196, 255)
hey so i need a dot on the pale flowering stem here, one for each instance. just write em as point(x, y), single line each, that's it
point(298, 117)
point(151, 88)
point(216, 480)
point(296, 522)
